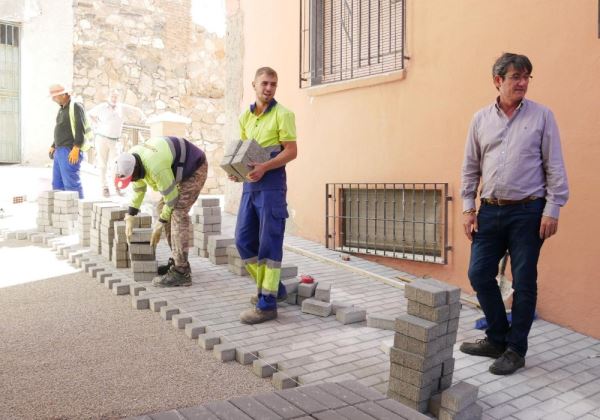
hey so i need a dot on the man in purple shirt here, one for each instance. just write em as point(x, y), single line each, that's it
point(513, 149)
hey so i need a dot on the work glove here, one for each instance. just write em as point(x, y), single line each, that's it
point(74, 155)
point(156, 232)
point(51, 152)
point(128, 226)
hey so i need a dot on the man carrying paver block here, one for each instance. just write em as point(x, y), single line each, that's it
point(177, 169)
point(263, 207)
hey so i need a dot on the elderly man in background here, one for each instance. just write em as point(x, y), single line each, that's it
point(108, 118)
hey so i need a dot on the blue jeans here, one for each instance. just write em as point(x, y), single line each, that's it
point(65, 177)
point(514, 228)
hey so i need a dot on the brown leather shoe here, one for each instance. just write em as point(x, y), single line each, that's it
point(257, 316)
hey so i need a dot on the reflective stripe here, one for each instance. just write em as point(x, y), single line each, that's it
point(182, 156)
point(172, 202)
point(169, 189)
point(250, 260)
point(171, 146)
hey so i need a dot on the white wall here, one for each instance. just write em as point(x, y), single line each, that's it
point(46, 58)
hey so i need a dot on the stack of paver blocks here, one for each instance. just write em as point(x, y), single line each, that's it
point(235, 264)
point(107, 229)
point(143, 258)
point(45, 212)
point(120, 256)
point(456, 403)
point(217, 248)
point(239, 154)
point(84, 220)
point(96, 223)
point(65, 211)
point(206, 222)
point(421, 358)
point(313, 297)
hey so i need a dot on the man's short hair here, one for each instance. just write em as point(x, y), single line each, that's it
point(265, 70)
point(518, 61)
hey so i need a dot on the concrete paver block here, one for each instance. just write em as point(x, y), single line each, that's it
point(109, 282)
point(156, 303)
point(435, 314)
point(350, 314)
point(282, 380)
point(323, 292)
point(279, 405)
point(167, 312)
point(226, 410)
point(459, 396)
point(415, 377)
point(409, 391)
point(418, 328)
point(253, 408)
point(264, 368)
point(194, 329)
point(316, 307)
point(224, 352)
point(291, 285)
point(180, 320)
point(402, 410)
point(472, 412)
point(245, 356)
point(303, 402)
point(140, 302)
point(208, 340)
point(121, 289)
point(381, 321)
point(135, 289)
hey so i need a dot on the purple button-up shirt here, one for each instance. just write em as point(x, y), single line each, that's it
point(515, 157)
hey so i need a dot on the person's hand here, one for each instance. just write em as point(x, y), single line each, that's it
point(257, 173)
point(470, 225)
point(548, 227)
point(128, 226)
point(51, 152)
point(233, 178)
point(156, 232)
point(74, 155)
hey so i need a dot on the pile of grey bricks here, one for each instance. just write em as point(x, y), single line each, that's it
point(456, 403)
point(98, 210)
point(206, 222)
point(314, 298)
point(120, 254)
point(84, 221)
point(239, 154)
point(143, 258)
point(421, 357)
point(57, 212)
point(217, 248)
point(107, 229)
point(235, 264)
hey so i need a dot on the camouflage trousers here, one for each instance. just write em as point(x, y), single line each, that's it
point(178, 228)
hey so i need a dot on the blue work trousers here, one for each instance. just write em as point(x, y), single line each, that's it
point(514, 228)
point(259, 240)
point(65, 176)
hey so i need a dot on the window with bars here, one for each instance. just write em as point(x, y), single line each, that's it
point(348, 39)
point(407, 221)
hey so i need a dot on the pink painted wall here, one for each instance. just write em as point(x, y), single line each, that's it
point(413, 130)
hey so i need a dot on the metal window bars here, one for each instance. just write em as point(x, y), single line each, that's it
point(399, 220)
point(349, 39)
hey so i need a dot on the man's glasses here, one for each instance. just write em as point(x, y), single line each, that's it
point(516, 77)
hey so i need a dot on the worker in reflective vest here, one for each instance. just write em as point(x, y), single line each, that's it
point(177, 169)
point(263, 208)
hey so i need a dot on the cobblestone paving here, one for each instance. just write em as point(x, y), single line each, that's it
point(561, 379)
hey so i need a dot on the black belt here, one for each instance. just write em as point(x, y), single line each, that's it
point(503, 202)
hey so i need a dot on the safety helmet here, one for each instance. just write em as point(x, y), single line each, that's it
point(125, 164)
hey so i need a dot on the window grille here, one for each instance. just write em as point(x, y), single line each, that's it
point(400, 220)
point(349, 39)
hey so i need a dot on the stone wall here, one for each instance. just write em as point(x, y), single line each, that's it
point(161, 61)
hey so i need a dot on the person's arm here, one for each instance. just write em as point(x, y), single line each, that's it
point(139, 191)
point(557, 188)
point(471, 174)
point(79, 119)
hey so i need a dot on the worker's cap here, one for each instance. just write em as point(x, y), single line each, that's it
point(125, 165)
point(58, 89)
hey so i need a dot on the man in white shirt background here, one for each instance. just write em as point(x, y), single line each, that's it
point(107, 121)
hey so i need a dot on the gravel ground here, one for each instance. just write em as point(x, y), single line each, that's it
point(69, 349)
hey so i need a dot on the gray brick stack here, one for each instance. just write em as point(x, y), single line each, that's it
point(84, 220)
point(206, 222)
point(234, 261)
point(45, 211)
point(217, 248)
point(314, 297)
point(65, 212)
point(107, 229)
point(143, 258)
point(457, 402)
point(421, 358)
point(120, 254)
point(96, 222)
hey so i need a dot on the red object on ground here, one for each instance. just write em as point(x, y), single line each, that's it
point(305, 278)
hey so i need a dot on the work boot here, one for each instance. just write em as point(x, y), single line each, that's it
point(482, 347)
point(508, 363)
point(280, 299)
point(174, 278)
point(164, 269)
point(105, 192)
point(256, 316)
